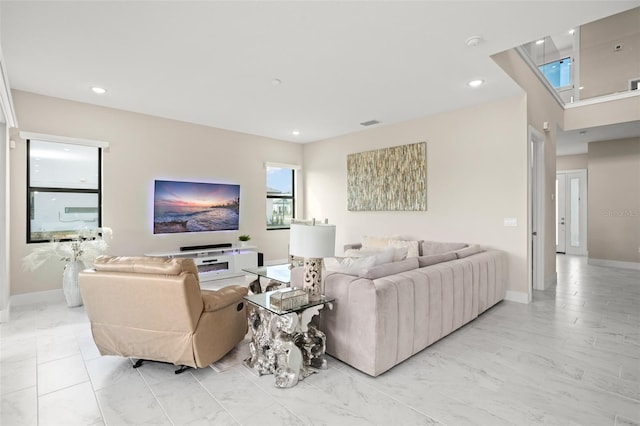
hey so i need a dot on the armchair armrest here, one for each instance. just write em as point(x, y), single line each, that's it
point(218, 299)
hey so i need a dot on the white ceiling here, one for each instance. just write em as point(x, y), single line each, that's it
point(340, 63)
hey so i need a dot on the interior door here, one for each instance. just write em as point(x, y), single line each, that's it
point(571, 212)
point(561, 238)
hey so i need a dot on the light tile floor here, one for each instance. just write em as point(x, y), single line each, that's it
point(570, 358)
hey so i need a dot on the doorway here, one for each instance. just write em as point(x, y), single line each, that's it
point(536, 211)
point(571, 212)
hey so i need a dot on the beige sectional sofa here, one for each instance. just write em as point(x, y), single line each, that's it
point(384, 314)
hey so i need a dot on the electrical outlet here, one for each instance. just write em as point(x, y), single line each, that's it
point(617, 47)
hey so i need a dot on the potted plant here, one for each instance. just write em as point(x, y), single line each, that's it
point(243, 239)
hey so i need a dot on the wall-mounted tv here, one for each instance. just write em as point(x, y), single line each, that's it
point(195, 207)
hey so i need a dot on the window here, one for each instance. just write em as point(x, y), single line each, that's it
point(557, 73)
point(280, 197)
point(63, 190)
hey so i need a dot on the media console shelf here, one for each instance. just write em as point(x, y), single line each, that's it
point(218, 263)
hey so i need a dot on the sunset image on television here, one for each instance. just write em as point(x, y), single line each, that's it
point(195, 207)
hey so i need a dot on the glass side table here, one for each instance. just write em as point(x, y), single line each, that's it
point(285, 343)
point(280, 273)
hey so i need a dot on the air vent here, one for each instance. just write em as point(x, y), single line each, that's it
point(369, 123)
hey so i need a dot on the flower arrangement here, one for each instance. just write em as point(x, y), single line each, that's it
point(85, 247)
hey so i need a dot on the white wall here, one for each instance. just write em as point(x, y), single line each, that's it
point(144, 148)
point(476, 176)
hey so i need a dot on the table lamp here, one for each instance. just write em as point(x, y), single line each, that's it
point(312, 241)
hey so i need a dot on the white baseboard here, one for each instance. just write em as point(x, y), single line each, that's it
point(551, 280)
point(517, 296)
point(48, 296)
point(614, 264)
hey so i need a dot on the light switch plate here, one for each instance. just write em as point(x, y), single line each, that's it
point(510, 221)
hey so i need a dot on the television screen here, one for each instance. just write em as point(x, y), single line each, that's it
point(195, 207)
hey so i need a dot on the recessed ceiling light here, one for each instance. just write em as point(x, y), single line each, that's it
point(581, 87)
point(572, 31)
point(276, 82)
point(540, 41)
point(295, 132)
point(475, 83)
point(99, 90)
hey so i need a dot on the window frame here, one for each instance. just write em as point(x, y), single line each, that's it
point(32, 189)
point(291, 197)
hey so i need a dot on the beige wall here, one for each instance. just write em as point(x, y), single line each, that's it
point(476, 176)
point(541, 107)
point(602, 69)
point(603, 113)
point(571, 162)
point(614, 200)
point(144, 148)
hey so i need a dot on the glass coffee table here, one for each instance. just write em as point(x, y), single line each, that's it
point(284, 341)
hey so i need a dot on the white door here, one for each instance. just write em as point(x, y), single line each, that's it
point(561, 186)
point(571, 213)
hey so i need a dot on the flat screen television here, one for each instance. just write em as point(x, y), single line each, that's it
point(195, 207)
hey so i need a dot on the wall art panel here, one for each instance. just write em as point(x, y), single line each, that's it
point(388, 179)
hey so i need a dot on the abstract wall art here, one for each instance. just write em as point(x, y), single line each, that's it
point(388, 179)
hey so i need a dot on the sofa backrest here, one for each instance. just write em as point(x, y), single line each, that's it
point(436, 247)
point(143, 292)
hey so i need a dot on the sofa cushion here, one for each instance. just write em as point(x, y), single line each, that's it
point(387, 269)
point(145, 265)
point(436, 258)
point(436, 247)
point(468, 251)
point(349, 265)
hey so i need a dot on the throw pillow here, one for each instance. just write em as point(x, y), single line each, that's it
point(412, 246)
point(386, 255)
point(375, 242)
point(436, 258)
point(389, 269)
point(349, 265)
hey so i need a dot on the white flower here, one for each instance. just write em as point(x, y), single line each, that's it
point(89, 244)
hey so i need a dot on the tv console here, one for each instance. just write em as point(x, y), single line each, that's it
point(216, 263)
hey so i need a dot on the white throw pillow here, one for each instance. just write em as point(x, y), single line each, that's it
point(413, 249)
point(375, 242)
point(386, 255)
point(349, 265)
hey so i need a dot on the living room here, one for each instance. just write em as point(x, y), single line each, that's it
point(477, 159)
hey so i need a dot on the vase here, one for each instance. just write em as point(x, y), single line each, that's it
point(70, 285)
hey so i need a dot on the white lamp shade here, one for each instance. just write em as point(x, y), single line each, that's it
point(312, 241)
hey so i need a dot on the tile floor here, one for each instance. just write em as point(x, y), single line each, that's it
point(570, 358)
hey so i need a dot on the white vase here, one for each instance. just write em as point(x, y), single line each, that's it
point(70, 285)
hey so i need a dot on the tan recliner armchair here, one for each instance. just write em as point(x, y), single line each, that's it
point(153, 309)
